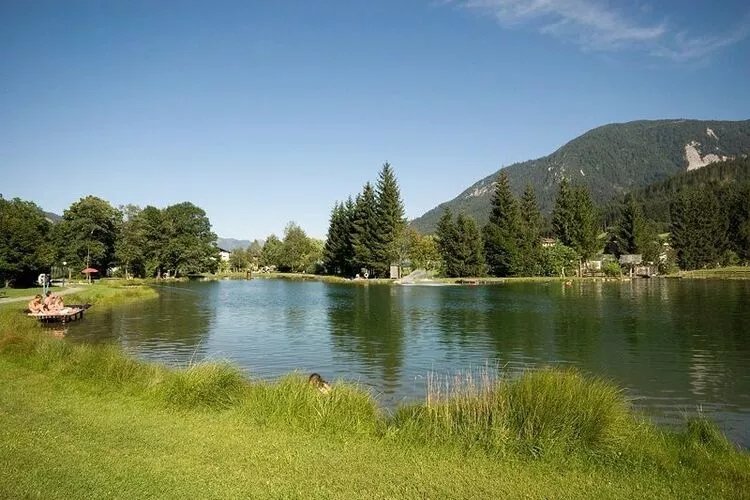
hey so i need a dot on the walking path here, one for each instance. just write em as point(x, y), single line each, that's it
point(67, 291)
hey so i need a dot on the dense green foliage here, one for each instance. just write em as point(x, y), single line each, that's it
point(25, 245)
point(92, 233)
point(389, 222)
point(530, 234)
point(502, 233)
point(368, 235)
point(611, 161)
point(460, 245)
point(86, 235)
point(707, 212)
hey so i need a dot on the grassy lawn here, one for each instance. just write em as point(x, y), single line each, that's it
point(21, 292)
point(733, 272)
point(87, 421)
point(63, 438)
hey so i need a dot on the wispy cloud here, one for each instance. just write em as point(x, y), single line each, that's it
point(598, 25)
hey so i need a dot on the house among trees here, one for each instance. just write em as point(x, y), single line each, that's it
point(224, 255)
point(548, 242)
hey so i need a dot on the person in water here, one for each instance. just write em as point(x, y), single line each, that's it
point(36, 305)
point(317, 381)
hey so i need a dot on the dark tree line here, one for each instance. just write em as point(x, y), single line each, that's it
point(369, 232)
point(92, 233)
point(510, 243)
point(706, 213)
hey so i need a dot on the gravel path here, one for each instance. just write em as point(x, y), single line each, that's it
point(67, 291)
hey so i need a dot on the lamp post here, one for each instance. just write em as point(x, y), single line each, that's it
point(88, 254)
point(65, 265)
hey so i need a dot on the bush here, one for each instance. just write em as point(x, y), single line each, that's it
point(541, 413)
point(612, 268)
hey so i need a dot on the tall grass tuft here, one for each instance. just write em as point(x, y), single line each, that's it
point(291, 401)
point(543, 412)
point(214, 385)
point(565, 411)
point(702, 432)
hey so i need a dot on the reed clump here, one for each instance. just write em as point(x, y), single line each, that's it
point(544, 412)
point(292, 402)
point(211, 385)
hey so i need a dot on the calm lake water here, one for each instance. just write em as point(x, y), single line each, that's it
point(674, 345)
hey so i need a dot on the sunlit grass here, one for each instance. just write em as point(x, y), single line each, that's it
point(81, 420)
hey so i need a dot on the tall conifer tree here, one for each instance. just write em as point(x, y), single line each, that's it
point(502, 232)
point(390, 221)
point(447, 240)
point(470, 251)
point(335, 251)
point(563, 215)
point(364, 226)
point(531, 231)
point(585, 224)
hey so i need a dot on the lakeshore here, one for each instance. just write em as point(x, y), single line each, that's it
point(79, 420)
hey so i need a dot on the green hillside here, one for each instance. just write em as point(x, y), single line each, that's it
point(721, 179)
point(611, 160)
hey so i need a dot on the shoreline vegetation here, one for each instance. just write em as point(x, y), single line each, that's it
point(82, 420)
point(730, 272)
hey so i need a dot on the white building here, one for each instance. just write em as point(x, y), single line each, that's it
point(224, 255)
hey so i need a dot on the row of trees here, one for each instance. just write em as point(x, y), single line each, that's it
point(368, 233)
point(710, 226)
point(92, 233)
point(296, 252)
point(510, 244)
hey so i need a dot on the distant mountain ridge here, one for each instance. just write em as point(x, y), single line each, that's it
point(232, 244)
point(611, 160)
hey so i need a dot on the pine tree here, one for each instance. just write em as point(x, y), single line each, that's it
point(502, 231)
point(469, 250)
point(447, 241)
point(627, 227)
point(699, 229)
point(563, 215)
point(390, 222)
point(531, 231)
point(364, 226)
point(349, 214)
point(585, 224)
point(335, 250)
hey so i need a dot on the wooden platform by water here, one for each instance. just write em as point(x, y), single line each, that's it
point(66, 315)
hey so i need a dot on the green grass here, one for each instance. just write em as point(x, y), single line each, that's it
point(320, 277)
point(733, 272)
point(80, 420)
point(20, 292)
point(87, 421)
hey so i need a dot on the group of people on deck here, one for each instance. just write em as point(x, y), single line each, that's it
point(52, 303)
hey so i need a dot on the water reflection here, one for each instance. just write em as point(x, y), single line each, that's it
point(673, 345)
point(171, 328)
point(366, 323)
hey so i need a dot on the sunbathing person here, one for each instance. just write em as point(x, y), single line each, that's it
point(50, 302)
point(36, 305)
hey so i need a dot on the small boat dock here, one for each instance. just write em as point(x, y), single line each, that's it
point(65, 315)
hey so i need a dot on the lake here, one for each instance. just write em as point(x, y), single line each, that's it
point(673, 345)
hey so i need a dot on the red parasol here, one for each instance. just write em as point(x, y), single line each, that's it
point(89, 270)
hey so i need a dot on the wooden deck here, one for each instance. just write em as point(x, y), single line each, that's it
point(66, 315)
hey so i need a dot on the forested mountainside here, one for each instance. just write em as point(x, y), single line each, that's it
point(610, 160)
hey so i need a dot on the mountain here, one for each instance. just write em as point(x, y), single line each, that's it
point(611, 160)
point(655, 199)
point(232, 244)
point(52, 217)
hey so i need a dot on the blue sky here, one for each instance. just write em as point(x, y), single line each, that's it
point(266, 112)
